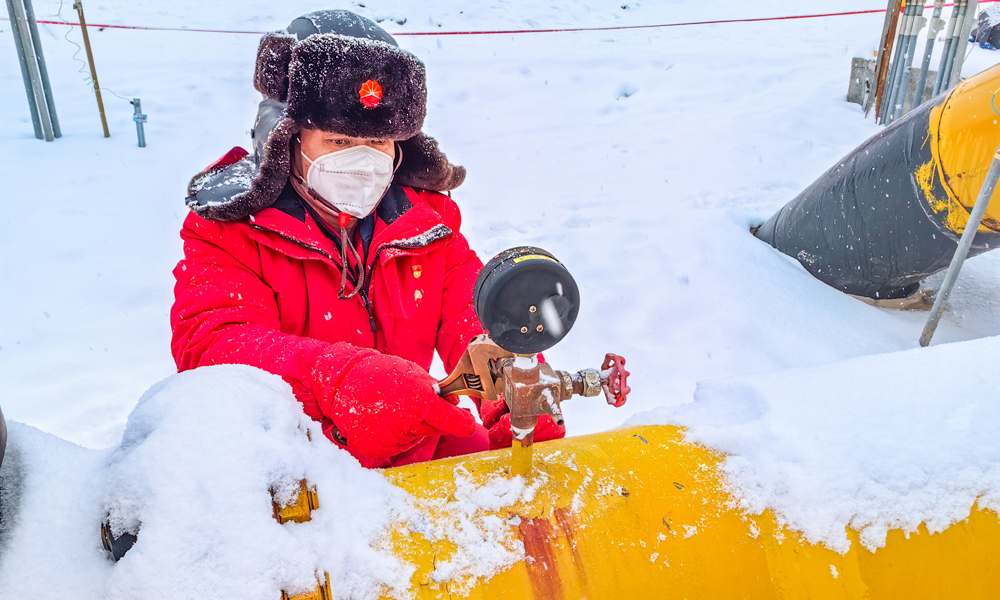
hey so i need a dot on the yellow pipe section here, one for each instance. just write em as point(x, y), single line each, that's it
point(964, 132)
point(641, 513)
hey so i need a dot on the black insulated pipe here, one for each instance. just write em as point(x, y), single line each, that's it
point(865, 227)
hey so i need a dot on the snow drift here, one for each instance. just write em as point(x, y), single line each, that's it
point(201, 455)
point(874, 443)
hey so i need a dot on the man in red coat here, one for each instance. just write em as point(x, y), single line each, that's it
point(330, 257)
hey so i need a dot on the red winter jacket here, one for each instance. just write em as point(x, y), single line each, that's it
point(263, 291)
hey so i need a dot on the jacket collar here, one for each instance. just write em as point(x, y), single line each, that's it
point(409, 223)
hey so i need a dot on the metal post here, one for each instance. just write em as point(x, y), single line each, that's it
point(38, 91)
point(29, 11)
point(900, 64)
point(139, 119)
point(932, 31)
point(887, 88)
point(917, 24)
point(15, 28)
point(93, 70)
point(948, 39)
point(953, 48)
point(970, 20)
point(884, 52)
point(962, 251)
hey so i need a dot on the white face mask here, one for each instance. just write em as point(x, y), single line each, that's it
point(352, 180)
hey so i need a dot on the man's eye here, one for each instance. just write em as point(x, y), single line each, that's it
point(379, 142)
point(342, 142)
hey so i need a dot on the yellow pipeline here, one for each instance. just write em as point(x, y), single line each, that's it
point(640, 513)
point(964, 133)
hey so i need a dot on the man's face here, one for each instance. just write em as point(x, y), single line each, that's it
point(316, 142)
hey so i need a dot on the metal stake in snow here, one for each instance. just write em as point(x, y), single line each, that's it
point(139, 119)
point(970, 21)
point(964, 243)
point(892, 83)
point(916, 25)
point(932, 32)
point(882, 61)
point(93, 70)
point(949, 39)
point(954, 42)
point(36, 76)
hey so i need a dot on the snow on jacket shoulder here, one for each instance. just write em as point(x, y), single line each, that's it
point(263, 292)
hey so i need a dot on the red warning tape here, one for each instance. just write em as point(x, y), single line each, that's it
point(622, 27)
point(514, 31)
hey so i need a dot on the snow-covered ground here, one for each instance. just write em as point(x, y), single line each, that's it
point(638, 157)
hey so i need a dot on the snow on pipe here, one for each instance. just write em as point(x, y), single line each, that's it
point(892, 211)
point(643, 513)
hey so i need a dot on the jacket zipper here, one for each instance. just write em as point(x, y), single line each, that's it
point(368, 279)
point(363, 292)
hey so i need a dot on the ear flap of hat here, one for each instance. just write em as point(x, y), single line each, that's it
point(223, 193)
point(273, 56)
point(425, 166)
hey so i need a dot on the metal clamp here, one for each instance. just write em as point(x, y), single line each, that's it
point(140, 120)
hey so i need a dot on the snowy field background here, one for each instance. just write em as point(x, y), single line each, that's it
point(640, 158)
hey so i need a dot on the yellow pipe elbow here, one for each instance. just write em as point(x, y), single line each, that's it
point(963, 132)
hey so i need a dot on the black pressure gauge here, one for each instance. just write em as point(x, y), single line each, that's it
point(526, 300)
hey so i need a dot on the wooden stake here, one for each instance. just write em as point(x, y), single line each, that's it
point(93, 70)
point(885, 53)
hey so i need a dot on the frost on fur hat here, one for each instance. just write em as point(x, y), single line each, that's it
point(352, 86)
point(335, 71)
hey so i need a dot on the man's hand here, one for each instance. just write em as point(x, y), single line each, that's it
point(386, 404)
point(496, 418)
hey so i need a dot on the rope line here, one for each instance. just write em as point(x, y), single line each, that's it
point(513, 31)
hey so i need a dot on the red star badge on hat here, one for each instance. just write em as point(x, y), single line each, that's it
point(371, 93)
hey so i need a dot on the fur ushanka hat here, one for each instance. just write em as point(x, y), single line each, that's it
point(336, 71)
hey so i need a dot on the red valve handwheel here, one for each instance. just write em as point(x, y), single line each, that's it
point(615, 386)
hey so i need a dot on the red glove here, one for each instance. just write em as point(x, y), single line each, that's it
point(496, 418)
point(385, 404)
